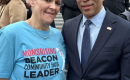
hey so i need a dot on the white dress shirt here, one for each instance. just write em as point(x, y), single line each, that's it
point(94, 29)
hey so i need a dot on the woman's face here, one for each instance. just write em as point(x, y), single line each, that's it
point(46, 10)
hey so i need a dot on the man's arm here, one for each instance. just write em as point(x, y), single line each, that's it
point(125, 59)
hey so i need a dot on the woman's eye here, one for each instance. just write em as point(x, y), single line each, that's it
point(58, 3)
point(48, 0)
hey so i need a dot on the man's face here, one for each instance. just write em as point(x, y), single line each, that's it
point(90, 8)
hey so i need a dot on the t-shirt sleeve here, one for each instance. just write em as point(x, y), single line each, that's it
point(6, 56)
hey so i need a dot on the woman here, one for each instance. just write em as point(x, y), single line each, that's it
point(33, 50)
point(12, 11)
point(29, 13)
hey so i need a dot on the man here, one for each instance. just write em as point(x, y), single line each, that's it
point(69, 9)
point(105, 53)
point(117, 6)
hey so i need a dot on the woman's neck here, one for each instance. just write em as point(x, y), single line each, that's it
point(37, 24)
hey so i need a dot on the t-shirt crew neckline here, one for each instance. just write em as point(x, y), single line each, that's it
point(39, 31)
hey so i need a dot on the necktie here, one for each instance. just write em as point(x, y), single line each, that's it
point(86, 46)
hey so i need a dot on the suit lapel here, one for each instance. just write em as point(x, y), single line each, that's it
point(103, 36)
point(75, 33)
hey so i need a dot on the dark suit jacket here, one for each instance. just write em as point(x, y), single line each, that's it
point(72, 4)
point(116, 6)
point(110, 56)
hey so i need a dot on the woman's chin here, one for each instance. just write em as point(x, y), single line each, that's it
point(49, 22)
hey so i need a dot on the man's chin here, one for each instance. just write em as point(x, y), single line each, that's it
point(88, 15)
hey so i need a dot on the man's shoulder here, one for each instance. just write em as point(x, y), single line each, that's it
point(117, 20)
point(124, 24)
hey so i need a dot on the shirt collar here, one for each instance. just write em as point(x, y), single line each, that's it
point(98, 19)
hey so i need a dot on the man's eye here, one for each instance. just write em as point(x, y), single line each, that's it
point(48, 0)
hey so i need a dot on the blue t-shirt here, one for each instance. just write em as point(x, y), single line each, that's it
point(24, 55)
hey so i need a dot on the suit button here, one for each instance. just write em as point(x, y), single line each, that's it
point(82, 79)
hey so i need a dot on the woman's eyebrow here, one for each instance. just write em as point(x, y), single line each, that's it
point(58, 0)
